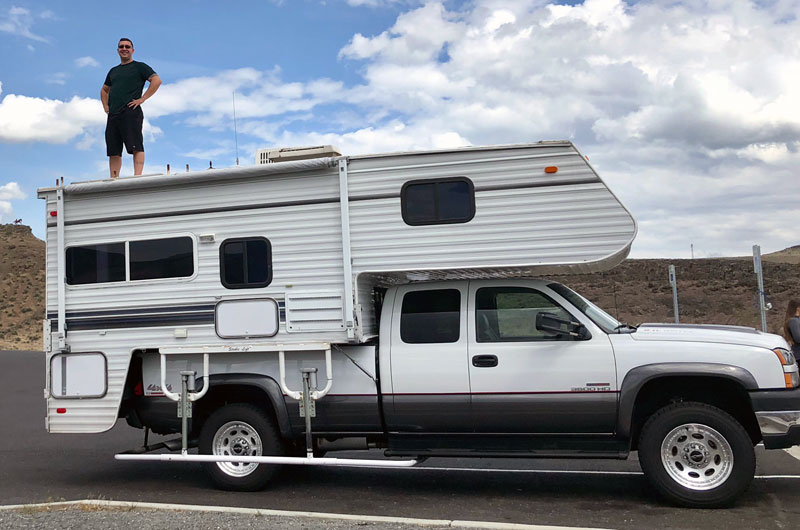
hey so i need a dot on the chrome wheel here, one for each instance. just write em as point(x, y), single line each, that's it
point(237, 438)
point(697, 457)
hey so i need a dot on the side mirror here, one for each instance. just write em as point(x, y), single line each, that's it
point(553, 324)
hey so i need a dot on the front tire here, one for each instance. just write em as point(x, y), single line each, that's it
point(240, 429)
point(696, 455)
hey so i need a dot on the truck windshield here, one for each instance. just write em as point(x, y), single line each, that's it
point(597, 315)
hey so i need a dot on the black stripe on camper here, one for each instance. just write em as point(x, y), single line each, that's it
point(143, 317)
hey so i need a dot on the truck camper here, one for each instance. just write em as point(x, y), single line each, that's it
point(315, 302)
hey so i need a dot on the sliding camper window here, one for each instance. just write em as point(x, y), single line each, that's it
point(431, 316)
point(161, 258)
point(147, 259)
point(96, 264)
point(245, 263)
point(437, 201)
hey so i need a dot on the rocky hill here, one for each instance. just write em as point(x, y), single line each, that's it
point(22, 288)
point(719, 290)
point(710, 291)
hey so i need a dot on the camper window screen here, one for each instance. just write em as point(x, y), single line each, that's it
point(432, 316)
point(96, 264)
point(162, 258)
point(438, 201)
point(246, 263)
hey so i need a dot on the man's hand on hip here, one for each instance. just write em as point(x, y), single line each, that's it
point(135, 103)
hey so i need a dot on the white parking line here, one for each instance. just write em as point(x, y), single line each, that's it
point(446, 523)
point(794, 451)
point(558, 472)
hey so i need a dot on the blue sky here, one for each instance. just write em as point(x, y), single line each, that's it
point(690, 111)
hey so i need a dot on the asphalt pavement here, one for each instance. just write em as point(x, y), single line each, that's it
point(38, 467)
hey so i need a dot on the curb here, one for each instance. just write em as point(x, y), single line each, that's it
point(446, 523)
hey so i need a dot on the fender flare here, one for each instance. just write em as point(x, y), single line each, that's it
point(265, 383)
point(637, 377)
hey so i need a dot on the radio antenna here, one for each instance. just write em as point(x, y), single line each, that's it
point(235, 135)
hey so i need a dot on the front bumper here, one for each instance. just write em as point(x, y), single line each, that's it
point(778, 415)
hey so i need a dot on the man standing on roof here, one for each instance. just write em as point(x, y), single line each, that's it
point(122, 99)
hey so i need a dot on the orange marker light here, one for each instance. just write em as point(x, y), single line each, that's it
point(550, 169)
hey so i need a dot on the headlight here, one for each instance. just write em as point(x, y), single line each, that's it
point(786, 357)
point(789, 365)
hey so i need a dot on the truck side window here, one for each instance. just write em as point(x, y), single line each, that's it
point(96, 264)
point(432, 316)
point(437, 201)
point(508, 314)
point(245, 263)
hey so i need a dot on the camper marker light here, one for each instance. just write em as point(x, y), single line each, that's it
point(551, 169)
point(61, 410)
point(53, 213)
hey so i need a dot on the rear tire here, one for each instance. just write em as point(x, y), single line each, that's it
point(696, 455)
point(240, 429)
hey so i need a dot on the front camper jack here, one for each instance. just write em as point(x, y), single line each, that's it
point(307, 397)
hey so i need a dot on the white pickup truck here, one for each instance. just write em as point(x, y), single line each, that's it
point(508, 368)
point(404, 281)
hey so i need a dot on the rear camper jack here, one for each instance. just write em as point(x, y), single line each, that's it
point(307, 398)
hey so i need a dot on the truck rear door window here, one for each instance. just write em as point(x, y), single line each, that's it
point(431, 316)
point(438, 201)
point(245, 263)
point(508, 314)
point(161, 258)
point(96, 263)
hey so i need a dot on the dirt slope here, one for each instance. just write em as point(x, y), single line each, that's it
point(719, 290)
point(22, 288)
point(710, 291)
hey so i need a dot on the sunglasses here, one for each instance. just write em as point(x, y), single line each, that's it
point(126, 46)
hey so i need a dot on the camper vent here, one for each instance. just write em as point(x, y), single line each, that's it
point(314, 311)
point(286, 154)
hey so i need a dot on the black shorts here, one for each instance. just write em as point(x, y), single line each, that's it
point(124, 127)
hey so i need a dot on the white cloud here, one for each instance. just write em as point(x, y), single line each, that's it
point(58, 78)
point(9, 192)
point(18, 21)
point(84, 62)
point(687, 109)
point(28, 119)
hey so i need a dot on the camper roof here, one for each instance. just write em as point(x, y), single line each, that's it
point(164, 180)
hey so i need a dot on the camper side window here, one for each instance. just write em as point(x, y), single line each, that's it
point(161, 258)
point(149, 260)
point(438, 201)
point(245, 263)
point(96, 264)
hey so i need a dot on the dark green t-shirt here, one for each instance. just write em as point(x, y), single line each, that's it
point(126, 82)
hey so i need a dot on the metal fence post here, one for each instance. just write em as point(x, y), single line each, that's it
point(674, 285)
point(760, 274)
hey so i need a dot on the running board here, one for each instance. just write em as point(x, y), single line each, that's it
point(290, 460)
